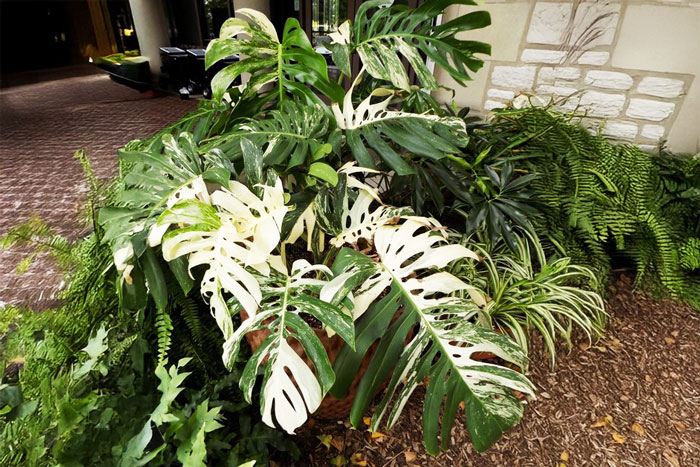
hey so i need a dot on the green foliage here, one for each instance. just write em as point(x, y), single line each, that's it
point(605, 202)
point(530, 291)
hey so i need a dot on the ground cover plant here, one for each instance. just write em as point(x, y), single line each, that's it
point(288, 212)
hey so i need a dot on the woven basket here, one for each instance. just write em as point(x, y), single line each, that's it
point(330, 408)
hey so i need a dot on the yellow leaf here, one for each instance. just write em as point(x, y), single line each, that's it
point(358, 459)
point(637, 428)
point(619, 438)
point(564, 456)
point(607, 420)
point(367, 420)
point(377, 434)
point(325, 440)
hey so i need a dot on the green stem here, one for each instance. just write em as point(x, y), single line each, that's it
point(279, 70)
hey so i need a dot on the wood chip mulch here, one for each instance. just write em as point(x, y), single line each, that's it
point(631, 399)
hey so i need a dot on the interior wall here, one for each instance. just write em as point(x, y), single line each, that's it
point(633, 66)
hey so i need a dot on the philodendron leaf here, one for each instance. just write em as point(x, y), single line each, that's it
point(325, 172)
point(286, 399)
point(432, 336)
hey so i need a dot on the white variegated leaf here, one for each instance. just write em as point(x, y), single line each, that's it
point(287, 398)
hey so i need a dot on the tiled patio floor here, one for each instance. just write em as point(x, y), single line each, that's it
point(41, 126)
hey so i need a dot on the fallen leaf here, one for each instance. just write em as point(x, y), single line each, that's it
point(367, 420)
point(637, 428)
point(671, 458)
point(545, 395)
point(410, 456)
point(584, 346)
point(562, 465)
point(338, 460)
point(358, 459)
point(564, 456)
point(376, 435)
point(619, 438)
point(325, 440)
point(680, 426)
point(669, 340)
point(607, 420)
point(674, 333)
point(647, 378)
point(338, 443)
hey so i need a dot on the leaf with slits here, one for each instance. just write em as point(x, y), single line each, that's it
point(288, 137)
point(237, 232)
point(290, 64)
point(372, 125)
point(288, 398)
point(407, 278)
point(383, 34)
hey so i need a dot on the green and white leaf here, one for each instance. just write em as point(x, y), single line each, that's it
point(288, 136)
point(237, 232)
point(284, 299)
point(441, 348)
point(384, 34)
point(394, 134)
point(291, 64)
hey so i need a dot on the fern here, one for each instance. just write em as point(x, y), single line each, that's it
point(608, 202)
point(164, 329)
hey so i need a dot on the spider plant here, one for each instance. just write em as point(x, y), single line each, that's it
point(529, 291)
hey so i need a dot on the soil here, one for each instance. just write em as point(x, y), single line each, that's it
point(630, 399)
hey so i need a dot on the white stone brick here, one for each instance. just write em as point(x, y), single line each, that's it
point(556, 90)
point(648, 109)
point(567, 105)
point(548, 23)
point(594, 24)
point(567, 73)
point(660, 87)
point(546, 75)
point(542, 56)
point(655, 132)
point(608, 79)
point(649, 148)
point(514, 77)
point(620, 130)
point(594, 58)
point(500, 94)
point(490, 105)
point(602, 104)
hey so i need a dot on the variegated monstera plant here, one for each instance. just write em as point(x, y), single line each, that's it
point(268, 202)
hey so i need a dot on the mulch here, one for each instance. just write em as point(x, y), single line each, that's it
point(631, 399)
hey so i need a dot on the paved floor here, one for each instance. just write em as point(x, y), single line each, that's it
point(41, 126)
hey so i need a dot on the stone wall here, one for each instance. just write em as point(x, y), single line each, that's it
point(632, 66)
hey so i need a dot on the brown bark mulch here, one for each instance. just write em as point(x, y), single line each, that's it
point(631, 399)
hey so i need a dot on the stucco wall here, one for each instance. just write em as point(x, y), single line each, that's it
point(633, 65)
